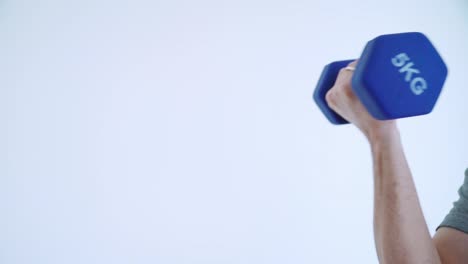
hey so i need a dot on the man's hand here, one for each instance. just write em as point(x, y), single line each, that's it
point(342, 100)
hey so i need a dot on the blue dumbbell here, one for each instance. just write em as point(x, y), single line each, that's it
point(398, 75)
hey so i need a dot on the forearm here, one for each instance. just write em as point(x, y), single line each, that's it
point(400, 230)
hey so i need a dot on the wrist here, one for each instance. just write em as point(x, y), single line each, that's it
point(383, 132)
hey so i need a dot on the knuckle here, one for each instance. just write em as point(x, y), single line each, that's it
point(330, 97)
point(342, 71)
point(353, 63)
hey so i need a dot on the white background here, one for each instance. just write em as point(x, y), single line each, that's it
point(185, 132)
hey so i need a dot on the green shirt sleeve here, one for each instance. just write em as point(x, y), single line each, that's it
point(457, 218)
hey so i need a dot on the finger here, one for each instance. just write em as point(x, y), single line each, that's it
point(354, 63)
point(344, 76)
point(341, 90)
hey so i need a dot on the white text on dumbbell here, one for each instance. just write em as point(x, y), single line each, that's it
point(417, 84)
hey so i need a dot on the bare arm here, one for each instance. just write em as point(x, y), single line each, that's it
point(452, 245)
point(400, 230)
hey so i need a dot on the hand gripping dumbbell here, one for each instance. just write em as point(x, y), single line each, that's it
point(398, 75)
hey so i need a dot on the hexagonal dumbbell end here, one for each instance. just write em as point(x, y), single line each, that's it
point(399, 75)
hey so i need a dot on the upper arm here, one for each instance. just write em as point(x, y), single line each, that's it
point(452, 245)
